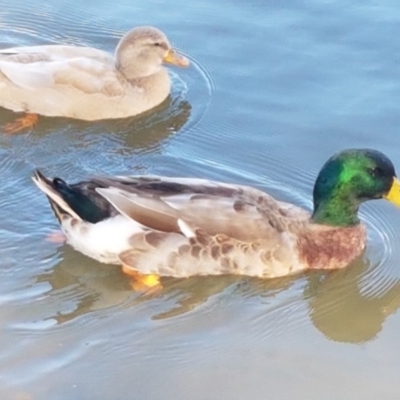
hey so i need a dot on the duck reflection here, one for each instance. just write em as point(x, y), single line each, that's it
point(79, 286)
point(344, 309)
point(97, 286)
point(152, 127)
point(340, 305)
point(147, 131)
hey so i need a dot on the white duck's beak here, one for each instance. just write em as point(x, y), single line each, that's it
point(172, 57)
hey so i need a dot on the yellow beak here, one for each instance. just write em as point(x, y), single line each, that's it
point(394, 193)
point(172, 57)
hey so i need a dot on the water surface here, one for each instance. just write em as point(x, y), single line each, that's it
point(274, 90)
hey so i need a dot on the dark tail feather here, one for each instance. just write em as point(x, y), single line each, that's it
point(51, 189)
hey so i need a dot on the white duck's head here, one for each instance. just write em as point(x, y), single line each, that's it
point(142, 51)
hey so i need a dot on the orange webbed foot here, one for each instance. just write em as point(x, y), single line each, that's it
point(26, 121)
point(149, 284)
point(145, 288)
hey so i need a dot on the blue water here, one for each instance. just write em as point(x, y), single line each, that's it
point(273, 91)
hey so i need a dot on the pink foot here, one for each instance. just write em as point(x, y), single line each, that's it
point(56, 237)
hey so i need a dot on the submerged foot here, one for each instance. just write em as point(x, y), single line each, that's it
point(143, 283)
point(26, 121)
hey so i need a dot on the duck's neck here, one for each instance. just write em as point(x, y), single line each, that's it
point(155, 79)
point(336, 211)
point(136, 70)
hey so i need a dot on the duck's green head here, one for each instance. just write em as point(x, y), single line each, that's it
point(349, 178)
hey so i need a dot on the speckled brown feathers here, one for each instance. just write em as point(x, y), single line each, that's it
point(181, 227)
point(330, 248)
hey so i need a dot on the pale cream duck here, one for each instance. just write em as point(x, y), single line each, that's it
point(179, 227)
point(86, 83)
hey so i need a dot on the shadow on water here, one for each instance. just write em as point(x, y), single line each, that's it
point(338, 306)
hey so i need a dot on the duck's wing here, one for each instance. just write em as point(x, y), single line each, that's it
point(195, 227)
point(30, 54)
point(240, 212)
point(83, 68)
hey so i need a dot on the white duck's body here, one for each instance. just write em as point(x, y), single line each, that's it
point(86, 83)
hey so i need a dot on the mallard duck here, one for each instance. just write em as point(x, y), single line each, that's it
point(86, 83)
point(156, 226)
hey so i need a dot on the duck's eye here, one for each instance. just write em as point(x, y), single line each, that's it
point(377, 171)
point(157, 44)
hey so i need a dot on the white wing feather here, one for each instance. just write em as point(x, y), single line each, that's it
point(28, 76)
point(45, 66)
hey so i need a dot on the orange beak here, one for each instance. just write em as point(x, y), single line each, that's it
point(172, 57)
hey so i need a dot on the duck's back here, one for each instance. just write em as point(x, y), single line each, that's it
point(75, 82)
